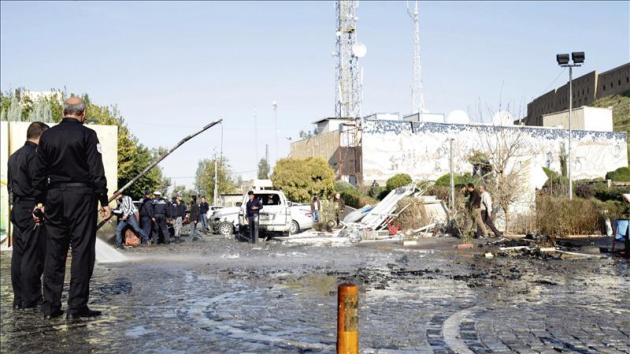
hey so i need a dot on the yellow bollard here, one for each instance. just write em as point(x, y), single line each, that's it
point(348, 319)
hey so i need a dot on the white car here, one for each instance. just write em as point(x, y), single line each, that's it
point(224, 221)
point(301, 218)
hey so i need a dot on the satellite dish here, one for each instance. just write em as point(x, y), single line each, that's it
point(458, 117)
point(359, 50)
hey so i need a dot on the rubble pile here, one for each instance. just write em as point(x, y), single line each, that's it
point(404, 213)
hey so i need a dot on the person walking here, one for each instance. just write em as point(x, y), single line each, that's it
point(340, 207)
point(128, 216)
point(486, 211)
point(194, 216)
point(474, 212)
point(253, 207)
point(160, 213)
point(29, 239)
point(204, 207)
point(69, 180)
point(146, 216)
point(316, 207)
point(177, 214)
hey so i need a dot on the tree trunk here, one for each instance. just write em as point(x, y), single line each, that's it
point(507, 220)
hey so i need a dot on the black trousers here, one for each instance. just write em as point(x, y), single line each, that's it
point(27, 259)
point(253, 228)
point(490, 223)
point(71, 221)
point(147, 226)
point(161, 227)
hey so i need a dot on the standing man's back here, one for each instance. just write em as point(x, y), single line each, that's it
point(69, 180)
point(27, 259)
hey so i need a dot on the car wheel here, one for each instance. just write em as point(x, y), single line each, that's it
point(226, 229)
point(295, 228)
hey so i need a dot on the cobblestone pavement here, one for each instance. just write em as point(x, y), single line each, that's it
point(218, 295)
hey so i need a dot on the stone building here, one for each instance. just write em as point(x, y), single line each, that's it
point(586, 89)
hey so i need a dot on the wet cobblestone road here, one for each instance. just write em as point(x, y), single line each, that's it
point(218, 295)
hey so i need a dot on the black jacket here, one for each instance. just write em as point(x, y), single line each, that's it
point(20, 172)
point(69, 153)
point(204, 207)
point(160, 207)
point(194, 212)
point(251, 212)
point(177, 210)
point(146, 208)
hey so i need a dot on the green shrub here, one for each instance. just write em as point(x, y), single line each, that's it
point(300, 179)
point(376, 191)
point(352, 196)
point(399, 180)
point(621, 174)
point(561, 216)
point(460, 180)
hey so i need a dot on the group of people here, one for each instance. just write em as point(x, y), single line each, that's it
point(480, 211)
point(55, 182)
point(337, 204)
point(158, 220)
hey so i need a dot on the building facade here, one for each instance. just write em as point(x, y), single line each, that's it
point(586, 89)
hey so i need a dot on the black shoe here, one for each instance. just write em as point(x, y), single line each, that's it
point(85, 313)
point(53, 315)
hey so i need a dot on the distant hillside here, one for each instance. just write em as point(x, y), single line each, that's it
point(621, 111)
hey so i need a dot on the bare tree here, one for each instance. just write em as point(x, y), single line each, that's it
point(508, 156)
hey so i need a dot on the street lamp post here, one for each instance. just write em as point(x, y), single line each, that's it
point(274, 104)
point(563, 61)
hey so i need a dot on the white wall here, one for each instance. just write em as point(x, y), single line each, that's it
point(583, 118)
point(422, 150)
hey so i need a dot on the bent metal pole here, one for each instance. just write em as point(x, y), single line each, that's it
point(154, 163)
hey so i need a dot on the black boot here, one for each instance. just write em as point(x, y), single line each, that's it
point(54, 314)
point(84, 313)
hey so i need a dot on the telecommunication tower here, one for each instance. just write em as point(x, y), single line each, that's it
point(348, 78)
point(417, 98)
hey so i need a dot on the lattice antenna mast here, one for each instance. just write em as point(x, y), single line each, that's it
point(417, 97)
point(348, 78)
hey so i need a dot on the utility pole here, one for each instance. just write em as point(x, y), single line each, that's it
point(450, 167)
point(215, 197)
point(274, 104)
point(417, 98)
point(563, 61)
point(348, 90)
point(256, 136)
point(570, 132)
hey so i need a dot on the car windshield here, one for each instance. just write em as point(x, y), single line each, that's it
point(269, 199)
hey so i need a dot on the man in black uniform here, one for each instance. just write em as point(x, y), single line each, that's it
point(29, 239)
point(253, 207)
point(146, 215)
point(69, 181)
point(160, 213)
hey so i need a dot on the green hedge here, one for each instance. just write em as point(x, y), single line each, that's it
point(460, 180)
point(396, 181)
point(621, 174)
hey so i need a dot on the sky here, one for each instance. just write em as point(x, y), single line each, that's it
point(172, 67)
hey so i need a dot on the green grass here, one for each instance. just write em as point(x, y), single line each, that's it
point(621, 111)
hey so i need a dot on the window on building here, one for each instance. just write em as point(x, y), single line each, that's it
point(627, 79)
point(611, 84)
point(603, 87)
point(619, 82)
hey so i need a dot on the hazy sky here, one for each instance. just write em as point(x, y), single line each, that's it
point(172, 67)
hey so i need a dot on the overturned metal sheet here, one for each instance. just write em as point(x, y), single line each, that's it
point(387, 206)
